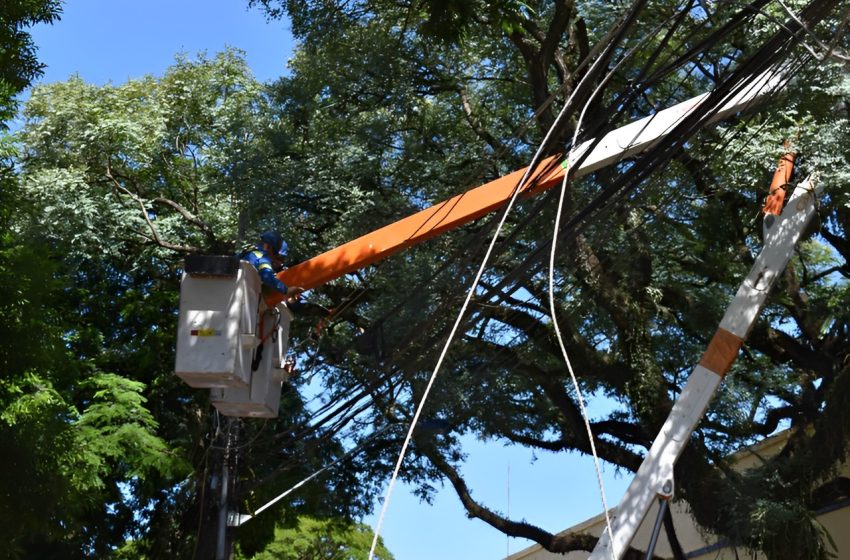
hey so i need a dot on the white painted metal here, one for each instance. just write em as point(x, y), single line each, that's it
point(216, 322)
point(235, 519)
point(280, 345)
point(261, 399)
point(642, 134)
point(779, 241)
point(657, 466)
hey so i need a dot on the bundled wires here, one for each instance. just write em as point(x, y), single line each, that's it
point(349, 406)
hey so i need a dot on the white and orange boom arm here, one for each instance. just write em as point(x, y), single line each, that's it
point(471, 205)
point(780, 237)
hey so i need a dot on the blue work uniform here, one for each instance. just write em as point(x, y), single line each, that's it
point(261, 261)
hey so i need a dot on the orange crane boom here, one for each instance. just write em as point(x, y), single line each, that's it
point(471, 205)
point(778, 186)
point(425, 224)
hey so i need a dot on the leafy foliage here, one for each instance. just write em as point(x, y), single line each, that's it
point(119, 183)
point(320, 540)
point(72, 434)
point(382, 114)
point(19, 65)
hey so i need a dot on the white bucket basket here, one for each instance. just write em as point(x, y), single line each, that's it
point(261, 399)
point(217, 323)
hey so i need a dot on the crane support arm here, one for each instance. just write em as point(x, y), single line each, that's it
point(412, 230)
point(471, 205)
point(780, 238)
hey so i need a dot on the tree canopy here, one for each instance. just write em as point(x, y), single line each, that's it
point(322, 540)
point(388, 107)
point(19, 65)
point(116, 184)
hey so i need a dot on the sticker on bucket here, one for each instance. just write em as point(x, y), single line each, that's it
point(205, 332)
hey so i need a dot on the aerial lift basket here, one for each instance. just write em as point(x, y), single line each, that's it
point(219, 299)
point(261, 398)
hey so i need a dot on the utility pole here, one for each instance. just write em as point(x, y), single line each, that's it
point(224, 545)
point(214, 539)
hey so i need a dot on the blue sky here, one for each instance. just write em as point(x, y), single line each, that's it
point(116, 40)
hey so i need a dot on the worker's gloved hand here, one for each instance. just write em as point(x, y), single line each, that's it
point(294, 292)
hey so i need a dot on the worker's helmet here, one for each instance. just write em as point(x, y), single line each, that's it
point(276, 242)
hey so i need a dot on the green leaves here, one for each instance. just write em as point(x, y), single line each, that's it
point(320, 540)
point(117, 427)
point(167, 161)
point(64, 462)
point(114, 185)
point(19, 65)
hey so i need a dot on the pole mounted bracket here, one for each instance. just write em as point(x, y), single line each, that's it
point(667, 489)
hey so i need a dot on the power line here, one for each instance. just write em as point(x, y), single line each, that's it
point(601, 207)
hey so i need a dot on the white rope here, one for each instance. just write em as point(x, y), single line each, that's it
point(445, 351)
point(464, 307)
point(566, 357)
point(552, 310)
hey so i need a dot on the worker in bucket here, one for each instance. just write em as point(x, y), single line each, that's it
point(267, 258)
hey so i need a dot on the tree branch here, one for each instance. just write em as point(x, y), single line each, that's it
point(549, 541)
point(154, 233)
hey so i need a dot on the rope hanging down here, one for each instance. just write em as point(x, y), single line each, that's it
point(534, 161)
point(552, 309)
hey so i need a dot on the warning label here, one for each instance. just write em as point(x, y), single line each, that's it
point(204, 332)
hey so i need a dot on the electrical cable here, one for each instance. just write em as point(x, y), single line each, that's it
point(525, 265)
point(553, 243)
point(654, 158)
point(550, 97)
point(632, 13)
point(544, 201)
point(316, 473)
point(525, 126)
point(510, 357)
point(498, 365)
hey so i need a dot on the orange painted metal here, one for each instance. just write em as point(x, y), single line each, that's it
point(721, 352)
point(781, 178)
point(419, 227)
